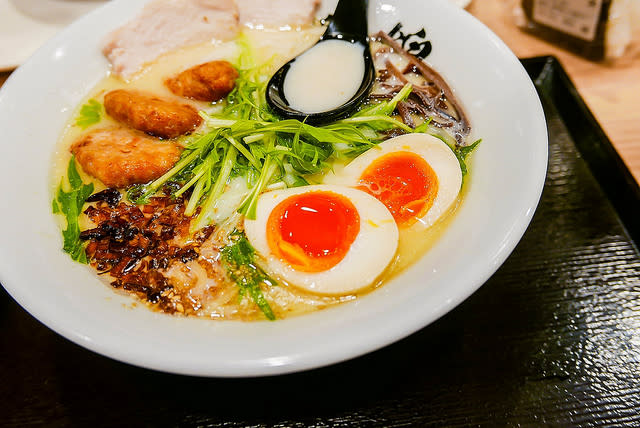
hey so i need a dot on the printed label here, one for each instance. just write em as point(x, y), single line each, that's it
point(578, 18)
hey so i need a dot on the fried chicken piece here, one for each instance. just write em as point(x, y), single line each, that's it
point(148, 113)
point(120, 157)
point(210, 81)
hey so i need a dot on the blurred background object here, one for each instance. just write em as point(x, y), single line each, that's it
point(59, 12)
point(599, 30)
point(26, 24)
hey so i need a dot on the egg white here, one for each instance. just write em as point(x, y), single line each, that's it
point(369, 255)
point(433, 150)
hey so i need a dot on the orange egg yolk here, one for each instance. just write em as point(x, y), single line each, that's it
point(313, 231)
point(404, 182)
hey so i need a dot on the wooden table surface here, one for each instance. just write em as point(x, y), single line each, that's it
point(611, 92)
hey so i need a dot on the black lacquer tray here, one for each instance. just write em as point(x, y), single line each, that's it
point(553, 338)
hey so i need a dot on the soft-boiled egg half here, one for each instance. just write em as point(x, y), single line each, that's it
point(416, 176)
point(326, 239)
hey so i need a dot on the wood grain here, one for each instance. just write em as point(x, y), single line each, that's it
point(612, 92)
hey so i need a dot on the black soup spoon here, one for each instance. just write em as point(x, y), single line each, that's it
point(349, 24)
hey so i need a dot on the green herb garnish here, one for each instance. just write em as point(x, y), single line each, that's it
point(462, 153)
point(90, 114)
point(239, 261)
point(70, 203)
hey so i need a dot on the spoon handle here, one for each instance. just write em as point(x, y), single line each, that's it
point(350, 17)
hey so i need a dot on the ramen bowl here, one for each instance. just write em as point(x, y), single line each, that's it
point(507, 174)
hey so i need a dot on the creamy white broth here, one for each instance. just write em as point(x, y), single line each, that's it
point(325, 77)
point(271, 49)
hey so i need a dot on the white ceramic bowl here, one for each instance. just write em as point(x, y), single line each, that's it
point(507, 177)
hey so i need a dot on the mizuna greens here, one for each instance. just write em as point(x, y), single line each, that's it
point(246, 139)
point(238, 258)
